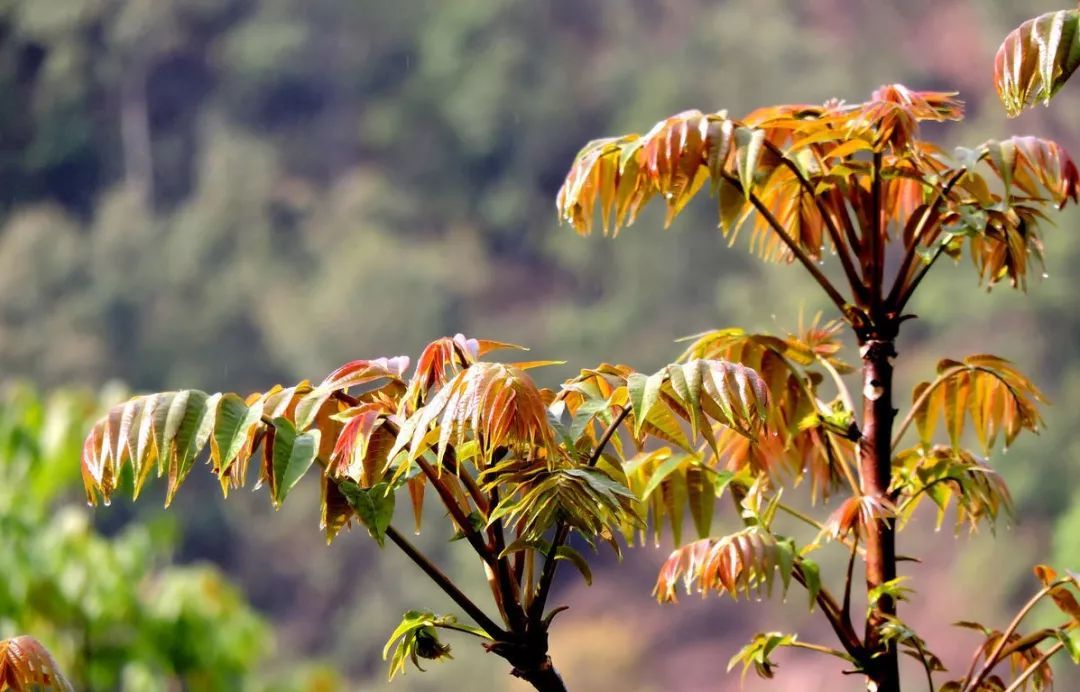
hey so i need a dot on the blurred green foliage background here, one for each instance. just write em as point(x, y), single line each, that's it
point(227, 194)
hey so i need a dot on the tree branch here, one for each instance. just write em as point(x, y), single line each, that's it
point(455, 511)
point(449, 501)
point(911, 252)
point(448, 586)
point(797, 251)
point(846, 262)
point(843, 629)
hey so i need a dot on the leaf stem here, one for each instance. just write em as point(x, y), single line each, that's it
point(876, 238)
point(906, 295)
point(1029, 641)
point(996, 654)
point(1018, 683)
point(836, 456)
point(471, 486)
point(846, 612)
point(845, 393)
point(455, 511)
point(925, 663)
point(509, 587)
point(447, 496)
point(821, 649)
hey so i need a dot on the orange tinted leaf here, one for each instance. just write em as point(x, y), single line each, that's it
point(337, 513)
point(355, 373)
point(1061, 594)
point(27, 665)
point(745, 563)
point(1036, 59)
point(495, 404)
point(985, 389)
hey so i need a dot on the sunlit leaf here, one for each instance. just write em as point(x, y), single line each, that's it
point(984, 390)
point(745, 562)
point(536, 497)
point(1061, 594)
point(353, 374)
point(417, 638)
point(1036, 59)
point(27, 665)
point(234, 434)
point(496, 405)
point(950, 477)
point(292, 456)
point(855, 515)
point(757, 653)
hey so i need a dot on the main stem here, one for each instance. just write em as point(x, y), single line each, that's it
point(875, 462)
point(543, 677)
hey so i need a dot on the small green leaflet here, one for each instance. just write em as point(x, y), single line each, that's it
point(374, 506)
point(293, 456)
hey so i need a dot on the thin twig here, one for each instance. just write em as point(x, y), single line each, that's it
point(1039, 662)
point(906, 295)
point(846, 612)
point(821, 649)
point(836, 457)
point(876, 241)
point(845, 393)
point(509, 587)
point(925, 663)
point(448, 498)
point(995, 655)
point(810, 521)
point(477, 495)
point(608, 433)
point(1024, 643)
point(845, 217)
point(455, 511)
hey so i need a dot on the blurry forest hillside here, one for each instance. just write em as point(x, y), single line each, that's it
point(225, 194)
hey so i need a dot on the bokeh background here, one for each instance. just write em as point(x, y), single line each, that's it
point(227, 194)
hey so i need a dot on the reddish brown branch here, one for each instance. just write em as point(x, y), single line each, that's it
point(448, 586)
